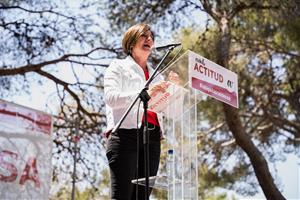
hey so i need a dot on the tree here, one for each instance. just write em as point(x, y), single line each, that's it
point(250, 38)
point(258, 40)
point(59, 44)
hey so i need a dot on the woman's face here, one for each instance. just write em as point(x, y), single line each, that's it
point(143, 46)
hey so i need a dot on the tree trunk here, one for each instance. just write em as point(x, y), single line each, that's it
point(235, 125)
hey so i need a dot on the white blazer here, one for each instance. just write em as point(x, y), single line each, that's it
point(123, 80)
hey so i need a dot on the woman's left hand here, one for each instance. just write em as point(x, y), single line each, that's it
point(158, 87)
point(174, 78)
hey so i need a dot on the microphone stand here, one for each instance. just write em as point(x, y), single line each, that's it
point(145, 98)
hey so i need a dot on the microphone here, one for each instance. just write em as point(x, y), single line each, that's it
point(167, 46)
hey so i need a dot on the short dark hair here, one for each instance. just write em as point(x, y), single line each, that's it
point(132, 35)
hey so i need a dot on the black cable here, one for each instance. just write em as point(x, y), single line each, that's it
point(137, 151)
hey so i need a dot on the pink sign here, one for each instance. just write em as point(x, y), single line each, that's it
point(215, 91)
point(213, 79)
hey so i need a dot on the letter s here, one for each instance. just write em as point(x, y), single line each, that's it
point(8, 166)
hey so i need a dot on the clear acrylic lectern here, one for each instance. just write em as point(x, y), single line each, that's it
point(179, 107)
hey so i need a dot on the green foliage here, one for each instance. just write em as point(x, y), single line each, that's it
point(99, 191)
point(200, 41)
point(271, 52)
point(134, 11)
point(264, 51)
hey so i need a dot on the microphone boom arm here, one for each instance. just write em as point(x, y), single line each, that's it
point(167, 46)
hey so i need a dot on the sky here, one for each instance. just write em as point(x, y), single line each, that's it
point(289, 175)
point(288, 171)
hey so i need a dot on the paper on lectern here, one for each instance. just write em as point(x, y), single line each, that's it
point(169, 102)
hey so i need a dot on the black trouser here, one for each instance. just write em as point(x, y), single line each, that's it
point(122, 158)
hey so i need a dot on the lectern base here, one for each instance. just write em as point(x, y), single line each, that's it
point(158, 182)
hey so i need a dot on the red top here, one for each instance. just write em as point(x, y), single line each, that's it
point(152, 117)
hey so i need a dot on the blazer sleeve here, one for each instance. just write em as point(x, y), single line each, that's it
point(113, 94)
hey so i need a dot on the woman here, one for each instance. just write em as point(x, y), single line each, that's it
point(123, 80)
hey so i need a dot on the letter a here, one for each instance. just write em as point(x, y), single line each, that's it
point(31, 163)
point(196, 67)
